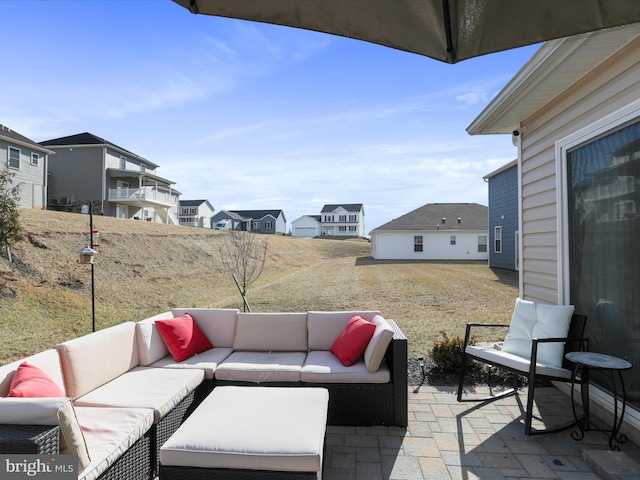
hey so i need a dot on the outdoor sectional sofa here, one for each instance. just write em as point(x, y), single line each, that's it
point(129, 394)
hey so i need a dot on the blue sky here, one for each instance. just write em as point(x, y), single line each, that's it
point(254, 116)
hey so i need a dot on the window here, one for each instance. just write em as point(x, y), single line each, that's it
point(123, 163)
point(255, 225)
point(342, 228)
point(268, 225)
point(143, 167)
point(417, 243)
point(452, 240)
point(193, 211)
point(328, 218)
point(603, 201)
point(185, 211)
point(353, 218)
point(342, 218)
point(352, 228)
point(14, 157)
point(482, 243)
point(35, 159)
point(497, 239)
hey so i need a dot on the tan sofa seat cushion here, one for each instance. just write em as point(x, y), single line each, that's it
point(207, 361)
point(109, 433)
point(47, 361)
point(256, 428)
point(95, 359)
point(158, 389)
point(218, 324)
point(325, 327)
point(259, 367)
point(325, 367)
point(271, 332)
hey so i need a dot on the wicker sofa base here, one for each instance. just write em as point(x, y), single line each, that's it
point(197, 473)
point(29, 439)
point(134, 464)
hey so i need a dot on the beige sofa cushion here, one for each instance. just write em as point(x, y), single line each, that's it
point(324, 367)
point(325, 327)
point(206, 361)
point(218, 324)
point(159, 389)
point(271, 332)
point(47, 361)
point(151, 347)
point(377, 347)
point(260, 367)
point(109, 433)
point(95, 359)
point(287, 428)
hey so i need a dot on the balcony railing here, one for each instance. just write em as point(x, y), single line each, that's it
point(144, 194)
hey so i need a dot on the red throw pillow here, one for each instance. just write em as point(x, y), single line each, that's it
point(353, 341)
point(30, 381)
point(183, 337)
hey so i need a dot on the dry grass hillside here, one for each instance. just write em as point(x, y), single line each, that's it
point(144, 268)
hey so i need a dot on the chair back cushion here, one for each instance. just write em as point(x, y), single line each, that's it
point(271, 332)
point(325, 327)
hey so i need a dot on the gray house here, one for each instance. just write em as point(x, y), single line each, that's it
point(258, 221)
point(504, 236)
point(117, 182)
point(28, 160)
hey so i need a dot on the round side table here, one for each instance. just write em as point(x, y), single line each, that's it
point(585, 361)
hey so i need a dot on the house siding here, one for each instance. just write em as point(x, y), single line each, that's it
point(503, 212)
point(436, 245)
point(609, 87)
point(31, 177)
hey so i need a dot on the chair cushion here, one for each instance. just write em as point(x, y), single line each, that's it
point(151, 346)
point(48, 361)
point(183, 337)
point(259, 367)
point(377, 347)
point(322, 366)
point(29, 381)
point(535, 320)
point(218, 324)
point(516, 362)
point(206, 361)
point(352, 342)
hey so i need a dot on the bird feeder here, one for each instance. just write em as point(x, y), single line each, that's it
point(86, 255)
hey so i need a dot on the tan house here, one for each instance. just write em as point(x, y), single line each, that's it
point(573, 113)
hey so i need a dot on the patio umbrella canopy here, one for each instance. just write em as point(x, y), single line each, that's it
point(446, 30)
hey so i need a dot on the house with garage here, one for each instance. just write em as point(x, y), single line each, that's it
point(435, 231)
point(195, 213)
point(117, 182)
point(28, 161)
point(342, 220)
point(257, 221)
point(504, 236)
point(573, 114)
point(307, 226)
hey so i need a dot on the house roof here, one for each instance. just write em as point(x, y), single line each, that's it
point(503, 168)
point(556, 66)
point(86, 138)
point(257, 214)
point(317, 218)
point(11, 136)
point(441, 216)
point(194, 203)
point(349, 207)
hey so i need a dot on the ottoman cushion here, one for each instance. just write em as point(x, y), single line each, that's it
point(255, 428)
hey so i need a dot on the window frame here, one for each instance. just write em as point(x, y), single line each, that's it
point(9, 159)
point(418, 243)
point(35, 159)
point(497, 239)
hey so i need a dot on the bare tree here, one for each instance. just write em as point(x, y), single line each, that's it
point(243, 255)
point(10, 228)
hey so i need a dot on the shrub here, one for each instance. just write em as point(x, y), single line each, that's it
point(446, 353)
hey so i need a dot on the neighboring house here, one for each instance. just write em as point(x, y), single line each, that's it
point(258, 221)
point(436, 231)
point(195, 213)
point(117, 182)
point(342, 220)
point(28, 160)
point(573, 112)
point(307, 226)
point(503, 217)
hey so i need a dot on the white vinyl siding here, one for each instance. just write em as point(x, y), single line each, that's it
point(391, 245)
point(604, 90)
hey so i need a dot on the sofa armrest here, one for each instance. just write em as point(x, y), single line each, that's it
point(29, 439)
point(396, 358)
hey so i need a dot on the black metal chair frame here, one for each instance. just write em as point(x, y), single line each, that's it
point(574, 341)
